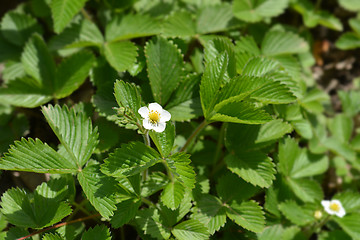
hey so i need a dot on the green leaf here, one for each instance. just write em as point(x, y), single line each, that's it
point(254, 11)
point(211, 212)
point(127, 95)
point(296, 214)
point(38, 62)
point(24, 92)
point(125, 212)
point(34, 156)
point(130, 159)
point(214, 76)
point(303, 128)
point(51, 236)
point(350, 5)
point(297, 163)
point(190, 229)
point(16, 232)
point(341, 127)
point(96, 233)
point(185, 102)
point(149, 222)
point(164, 141)
point(240, 112)
point(8, 51)
point(74, 130)
point(165, 68)
point(271, 232)
point(258, 66)
point(12, 71)
point(155, 182)
point(17, 27)
point(245, 137)
point(80, 34)
point(254, 167)
point(171, 217)
point(306, 190)
point(173, 194)
point(277, 43)
point(63, 11)
point(179, 165)
point(350, 224)
point(248, 215)
point(349, 102)
point(350, 200)
point(100, 189)
point(179, 24)
point(120, 55)
point(340, 148)
point(37, 211)
point(72, 72)
point(215, 18)
point(262, 89)
point(232, 188)
point(130, 26)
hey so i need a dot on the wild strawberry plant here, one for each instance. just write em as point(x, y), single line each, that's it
point(175, 120)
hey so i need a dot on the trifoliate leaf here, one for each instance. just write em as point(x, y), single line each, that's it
point(171, 217)
point(63, 11)
point(74, 130)
point(22, 209)
point(100, 189)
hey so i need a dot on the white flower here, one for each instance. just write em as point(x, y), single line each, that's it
point(155, 117)
point(333, 207)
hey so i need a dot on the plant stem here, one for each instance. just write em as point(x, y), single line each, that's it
point(193, 135)
point(60, 225)
point(147, 138)
point(85, 14)
point(148, 202)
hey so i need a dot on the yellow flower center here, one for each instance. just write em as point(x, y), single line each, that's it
point(335, 207)
point(154, 117)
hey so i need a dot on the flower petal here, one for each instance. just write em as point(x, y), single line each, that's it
point(147, 124)
point(325, 203)
point(160, 127)
point(165, 116)
point(155, 107)
point(144, 112)
point(341, 212)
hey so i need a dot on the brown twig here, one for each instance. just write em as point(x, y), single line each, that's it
point(59, 225)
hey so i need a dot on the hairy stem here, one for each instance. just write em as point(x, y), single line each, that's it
point(193, 135)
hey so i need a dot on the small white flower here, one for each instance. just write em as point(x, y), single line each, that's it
point(333, 207)
point(155, 117)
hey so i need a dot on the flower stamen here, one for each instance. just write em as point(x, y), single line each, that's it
point(335, 207)
point(154, 117)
